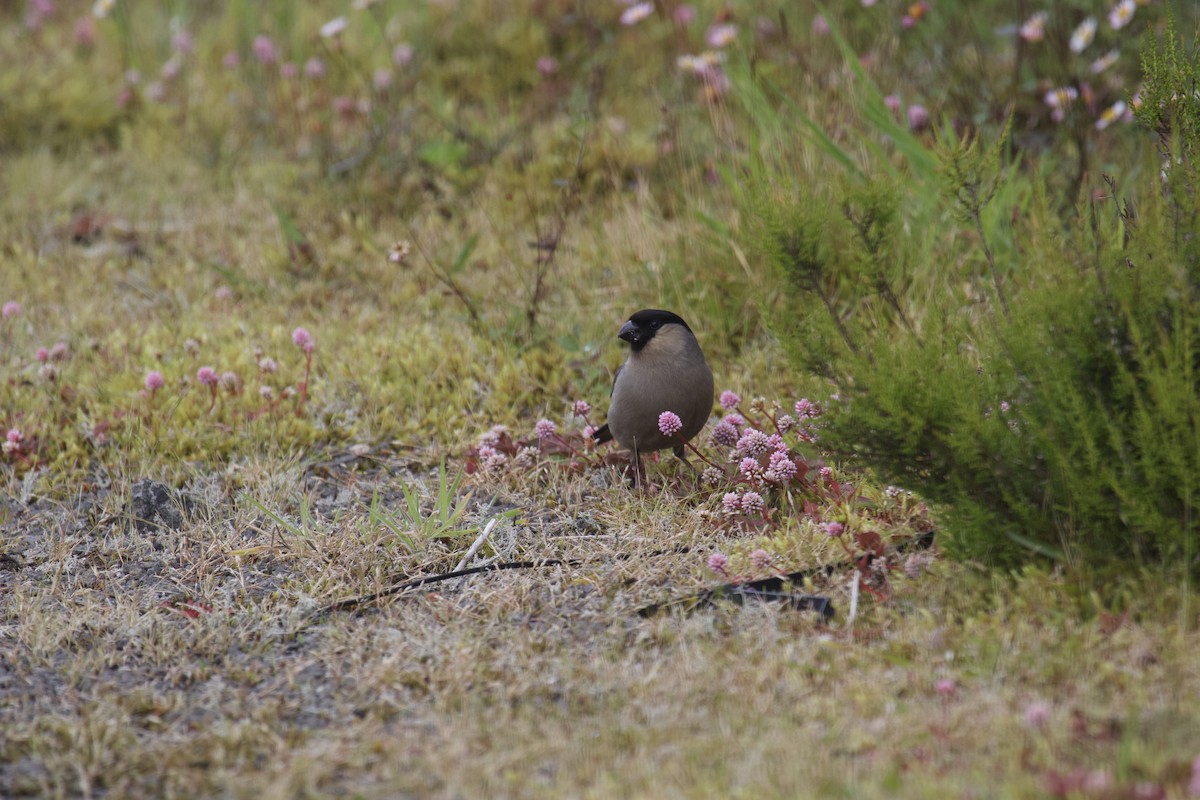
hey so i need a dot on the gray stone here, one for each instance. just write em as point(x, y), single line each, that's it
point(155, 505)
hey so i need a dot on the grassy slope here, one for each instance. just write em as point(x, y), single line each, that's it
point(519, 684)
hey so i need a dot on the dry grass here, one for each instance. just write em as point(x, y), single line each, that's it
point(540, 682)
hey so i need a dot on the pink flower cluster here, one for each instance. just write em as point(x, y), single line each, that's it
point(545, 429)
point(14, 441)
point(669, 423)
point(302, 339)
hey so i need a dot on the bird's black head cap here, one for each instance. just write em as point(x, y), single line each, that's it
point(643, 325)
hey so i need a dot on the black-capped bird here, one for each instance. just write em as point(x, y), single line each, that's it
point(665, 371)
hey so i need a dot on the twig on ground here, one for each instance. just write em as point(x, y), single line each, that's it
point(475, 545)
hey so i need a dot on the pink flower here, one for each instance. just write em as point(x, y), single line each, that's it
point(1097, 781)
point(729, 400)
point(834, 529)
point(85, 32)
point(264, 50)
point(1034, 28)
point(207, 376)
point(545, 429)
point(1036, 714)
point(314, 69)
point(719, 36)
point(402, 55)
point(820, 26)
point(496, 461)
point(754, 443)
point(827, 473)
point(589, 432)
point(717, 562)
point(33, 20)
point(752, 503)
point(170, 70)
point(42, 355)
point(11, 309)
point(731, 503)
point(685, 14)
point(918, 117)
point(382, 80)
point(154, 381)
point(182, 42)
point(344, 106)
point(750, 468)
point(547, 66)
point(230, 382)
point(1004, 406)
point(669, 423)
point(761, 559)
point(289, 71)
point(636, 13)
point(59, 351)
point(231, 60)
point(724, 434)
point(781, 468)
point(786, 423)
point(735, 419)
point(945, 686)
point(892, 101)
point(302, 339)
point(581, 408)
point(493, 436)
point(807, 409)
point(13, 441)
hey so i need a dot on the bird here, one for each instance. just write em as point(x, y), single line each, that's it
point(665, 371)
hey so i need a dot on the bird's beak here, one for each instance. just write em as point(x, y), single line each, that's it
point(629, 332)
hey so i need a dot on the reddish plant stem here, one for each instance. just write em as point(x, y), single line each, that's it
point(303, 398)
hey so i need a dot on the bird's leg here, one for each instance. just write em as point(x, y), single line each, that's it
point(681, 453)
point(638, 474)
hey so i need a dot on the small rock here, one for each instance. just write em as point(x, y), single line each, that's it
point(155, 505)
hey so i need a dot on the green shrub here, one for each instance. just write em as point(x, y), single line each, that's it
point(1039, 381)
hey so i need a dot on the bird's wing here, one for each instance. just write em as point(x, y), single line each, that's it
point(615, 376)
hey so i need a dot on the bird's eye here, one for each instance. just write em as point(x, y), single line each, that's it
point(654, 324)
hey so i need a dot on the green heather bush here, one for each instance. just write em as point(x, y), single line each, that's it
point(1031, 369)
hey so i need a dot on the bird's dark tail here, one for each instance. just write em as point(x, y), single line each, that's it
point(602, 434)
